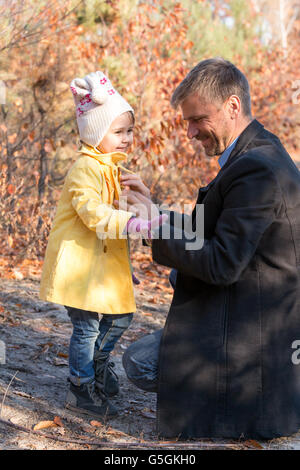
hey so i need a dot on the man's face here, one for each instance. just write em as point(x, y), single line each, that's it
point(210, 123)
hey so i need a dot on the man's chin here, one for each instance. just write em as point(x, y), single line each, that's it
point(212, 153)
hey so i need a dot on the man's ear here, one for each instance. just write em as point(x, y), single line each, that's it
point(233, 106)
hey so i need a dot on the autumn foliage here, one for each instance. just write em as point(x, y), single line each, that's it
point(146, 49)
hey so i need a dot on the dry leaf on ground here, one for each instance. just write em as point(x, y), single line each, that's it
point(116, 433)
point(62, 355)
point(252, 443)
point(44, 425)
point(97, 424)
point(57, 420)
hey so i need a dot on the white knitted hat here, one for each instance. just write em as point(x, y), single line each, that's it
point(98, 104)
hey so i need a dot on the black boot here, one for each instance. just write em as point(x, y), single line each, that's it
point(105, 377)
point(87, 399)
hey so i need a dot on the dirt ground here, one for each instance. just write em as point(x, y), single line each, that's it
point(33, 380)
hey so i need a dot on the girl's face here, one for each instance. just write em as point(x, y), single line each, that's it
point(119, 136)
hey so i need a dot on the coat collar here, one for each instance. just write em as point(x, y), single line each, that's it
point(112, 158)
point(244, 140)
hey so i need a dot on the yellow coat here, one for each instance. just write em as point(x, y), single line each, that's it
point(80, 269)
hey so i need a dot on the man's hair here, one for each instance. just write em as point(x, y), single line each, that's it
point(216, 80)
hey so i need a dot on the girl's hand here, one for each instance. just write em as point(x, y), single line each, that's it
point(137, 225)
point(134, 182)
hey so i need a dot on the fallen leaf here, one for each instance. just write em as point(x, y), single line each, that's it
point(41, 328)
point(116, 433)
point(57, 420)
point(97, 424)
point(63, 355)
point(44, 425)
point(158, 287)
point(252, 443)
point(150, 273)
point(152, 300)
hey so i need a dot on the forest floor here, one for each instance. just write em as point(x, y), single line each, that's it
point(33, 378)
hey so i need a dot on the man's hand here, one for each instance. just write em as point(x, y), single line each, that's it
point(134, 182)
point(138, 204)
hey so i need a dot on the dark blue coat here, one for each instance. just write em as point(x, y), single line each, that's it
point(225, 364)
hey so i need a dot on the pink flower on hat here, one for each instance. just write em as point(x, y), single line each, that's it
point(86, 99)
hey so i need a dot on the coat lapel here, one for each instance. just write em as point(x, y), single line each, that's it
point(243, 142)
point(203, 191)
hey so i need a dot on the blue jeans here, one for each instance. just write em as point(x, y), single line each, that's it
point(140, 361)
point(90, 334)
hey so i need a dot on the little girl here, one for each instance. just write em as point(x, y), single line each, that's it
point(87, 265)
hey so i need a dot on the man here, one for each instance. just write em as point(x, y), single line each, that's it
point(225, 365)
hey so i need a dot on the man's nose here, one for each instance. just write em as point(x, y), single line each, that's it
point(192, 130)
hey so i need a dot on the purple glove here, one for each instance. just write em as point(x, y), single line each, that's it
point(138, 225)
point(135, 280)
